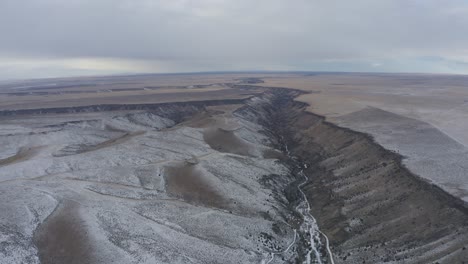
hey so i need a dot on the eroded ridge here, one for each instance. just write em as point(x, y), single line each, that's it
point(257, 181)
point(370, 206)
point(182, 183)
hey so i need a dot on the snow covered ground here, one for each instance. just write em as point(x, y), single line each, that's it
point(424, 117)
point(134, 187)
point(427, 151)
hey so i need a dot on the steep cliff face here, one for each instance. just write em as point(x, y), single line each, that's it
point(372, 208)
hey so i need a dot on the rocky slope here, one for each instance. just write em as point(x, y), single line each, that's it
point(371, 207)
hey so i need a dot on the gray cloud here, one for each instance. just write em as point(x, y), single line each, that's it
point(184, 35)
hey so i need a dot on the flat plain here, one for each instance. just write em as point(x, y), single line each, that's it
point(143, 89)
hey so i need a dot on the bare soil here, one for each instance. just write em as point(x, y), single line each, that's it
point(226, 141)
point(63, 238)
point(113, 141)
point(23, 153)
point(273, 154)
point(73, 149)
point(185, 181)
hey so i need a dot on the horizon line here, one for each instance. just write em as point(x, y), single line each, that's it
point(229, 72)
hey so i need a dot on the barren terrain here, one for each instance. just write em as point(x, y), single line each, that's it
point(421, 116)
point(226, 168)
point(144, 89)
point(148, 183)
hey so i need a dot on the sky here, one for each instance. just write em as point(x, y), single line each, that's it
point(56, 38)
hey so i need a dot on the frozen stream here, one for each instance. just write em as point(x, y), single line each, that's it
point(308, 228)
point(309, 225)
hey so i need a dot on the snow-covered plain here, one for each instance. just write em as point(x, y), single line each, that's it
point(134, 187)
point(427, 151)
point(421, 116)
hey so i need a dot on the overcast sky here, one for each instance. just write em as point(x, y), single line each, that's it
point(49, 38)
